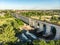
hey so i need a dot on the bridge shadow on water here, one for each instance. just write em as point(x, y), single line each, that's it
point(41, 34)
point(29, 36)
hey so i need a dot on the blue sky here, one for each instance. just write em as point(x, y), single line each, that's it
point(29, 4)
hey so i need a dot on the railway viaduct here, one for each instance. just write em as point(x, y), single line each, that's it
point(43, 26)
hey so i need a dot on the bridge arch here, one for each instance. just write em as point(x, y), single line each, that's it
point(44, 28)
point(52, 33)
point(38, 24)
point(53, 30)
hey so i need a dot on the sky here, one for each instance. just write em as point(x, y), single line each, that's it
point(30, 4)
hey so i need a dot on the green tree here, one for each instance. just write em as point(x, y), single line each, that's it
point(52, 42)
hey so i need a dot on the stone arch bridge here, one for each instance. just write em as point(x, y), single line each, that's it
point(43, 26)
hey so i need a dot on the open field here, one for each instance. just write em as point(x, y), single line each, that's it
point(52, 16)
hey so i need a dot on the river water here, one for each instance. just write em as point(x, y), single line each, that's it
point(26, 36)
point(29, 36)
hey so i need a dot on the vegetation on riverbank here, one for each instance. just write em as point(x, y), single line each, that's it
point(43, 42)
point(9, 27)
point(51, 16)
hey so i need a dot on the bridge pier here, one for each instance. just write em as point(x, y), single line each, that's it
point(57, 36)
point(36, 24)
point(32, 23)
point(41, 27)
point(48, 29)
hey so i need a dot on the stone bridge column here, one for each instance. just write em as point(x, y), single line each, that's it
point(29, 21)
point(48, 29)
point(57, 36)
point(41, 27)
point(32, 22)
